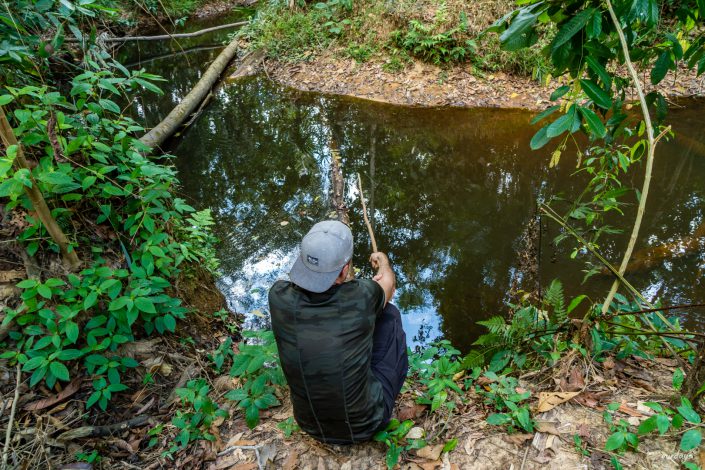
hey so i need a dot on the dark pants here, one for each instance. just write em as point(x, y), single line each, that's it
point(389, 360)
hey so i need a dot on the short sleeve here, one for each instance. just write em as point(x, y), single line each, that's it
point(376, 295)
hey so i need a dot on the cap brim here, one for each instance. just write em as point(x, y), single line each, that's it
point(311, 280)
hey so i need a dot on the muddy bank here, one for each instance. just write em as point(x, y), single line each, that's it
point(424, 84)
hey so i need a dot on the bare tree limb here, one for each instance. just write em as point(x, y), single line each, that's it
point(651, 142)
point(168, 36)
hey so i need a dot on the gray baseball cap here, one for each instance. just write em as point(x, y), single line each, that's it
point(325, 249)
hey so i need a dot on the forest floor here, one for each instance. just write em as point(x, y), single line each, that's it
point(568, 404)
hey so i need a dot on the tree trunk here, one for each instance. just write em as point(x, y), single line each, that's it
point(71, 260)
point(190, 103)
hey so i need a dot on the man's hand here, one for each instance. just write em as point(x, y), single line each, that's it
point(385, 276)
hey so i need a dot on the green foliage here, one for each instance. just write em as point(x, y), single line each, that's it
point(438, 47)
point(586, 48)
point(292, 35)
point(394, 436)
point(435, 369)
point(288, 426)
point(504, 394)
point(257, 365)
point(107, 194)
point(194, 420)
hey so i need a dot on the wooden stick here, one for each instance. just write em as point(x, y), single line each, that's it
point(8, 433)
point(169, 36)
point(35, 196)
point(364, 215)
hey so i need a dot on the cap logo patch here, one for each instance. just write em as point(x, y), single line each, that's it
point(311, 260)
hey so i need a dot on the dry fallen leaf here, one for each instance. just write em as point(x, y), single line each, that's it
point(550, 400)
point(630, 411)
point(70, 389)
point(575, 381)
point(411, 412)
point(430, 452)
point(518, 439)
point(549, 427)
point(284, 223)
point(291, 460)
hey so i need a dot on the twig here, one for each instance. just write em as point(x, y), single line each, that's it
point(364, 215)
point(646, 332)
point(526, 453)
point(649, 158)
point(107, 430)
point(169, 36)
point(8, 433)
point(658, 309)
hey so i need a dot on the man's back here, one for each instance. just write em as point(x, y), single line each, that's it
point(325, 347)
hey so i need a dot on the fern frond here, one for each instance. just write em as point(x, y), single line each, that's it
point(554, 297)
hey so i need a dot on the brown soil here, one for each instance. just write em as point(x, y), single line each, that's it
point(427, 85)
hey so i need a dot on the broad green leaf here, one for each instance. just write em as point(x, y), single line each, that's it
point(69, 354)
point(71, 331)
point(44, 291)
point(662, 423)
point(498, 419)
point(691, 439)
point(687, 411)
point(540, 139)
point(557, 94)
point(594, 123)
point(596, 94)
point(145, 304)
point(572, 27)
point(59, 370)
point(663, 64)
point(252, 416)
point(559, 126)
point(615, 441)
point(600, 71)
point(238, 394)
point(450, 445)
point(520, 33)
point(648, 425)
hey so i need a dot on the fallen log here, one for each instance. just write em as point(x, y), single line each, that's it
point(191, 102)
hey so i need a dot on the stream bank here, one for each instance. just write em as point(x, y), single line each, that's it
point(423, 84)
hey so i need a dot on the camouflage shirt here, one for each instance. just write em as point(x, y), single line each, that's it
point(325, 347)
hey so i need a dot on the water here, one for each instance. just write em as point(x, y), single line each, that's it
point(451, 192)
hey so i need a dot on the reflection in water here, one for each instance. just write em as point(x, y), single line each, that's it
point(450, 191)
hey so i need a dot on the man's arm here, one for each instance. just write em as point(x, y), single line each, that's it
point(385, 276)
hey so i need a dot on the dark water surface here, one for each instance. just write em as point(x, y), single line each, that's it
point(451, 193)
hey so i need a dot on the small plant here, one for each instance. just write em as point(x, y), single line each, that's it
point(438, 47)
point(394, 436)
point(257, 365)
point(89, 457)
point(288, 426)
point(331, 11)
point(504, 394)
point(222, 354)
point(199, 413)
point(436, 369)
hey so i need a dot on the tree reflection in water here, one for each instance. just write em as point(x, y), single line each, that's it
point(451, 193)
